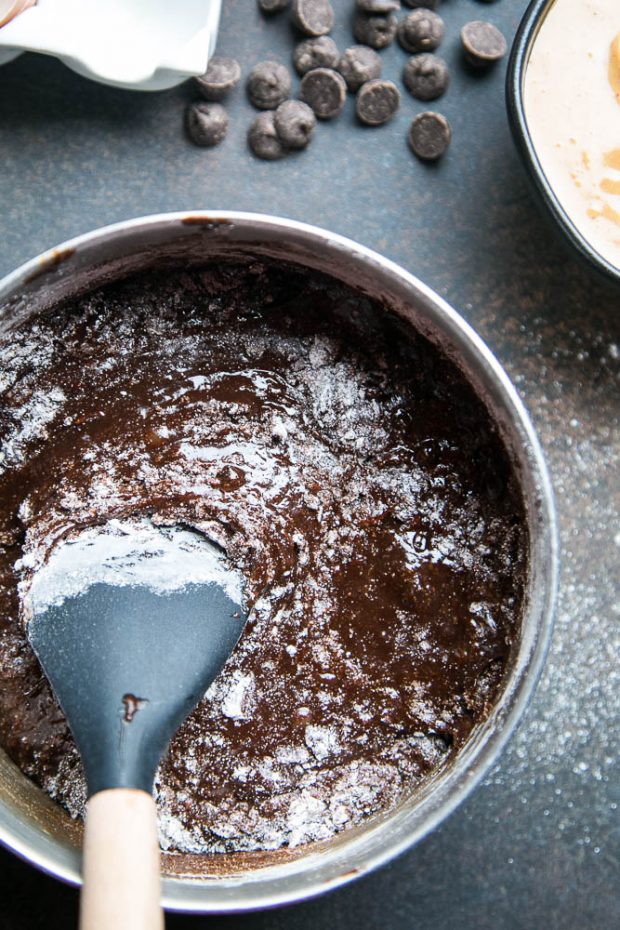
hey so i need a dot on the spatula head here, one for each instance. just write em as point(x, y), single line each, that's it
point(128, 663)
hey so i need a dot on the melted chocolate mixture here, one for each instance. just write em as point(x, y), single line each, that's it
point(348, 471)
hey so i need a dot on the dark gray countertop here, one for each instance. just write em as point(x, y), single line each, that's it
point(538, 845)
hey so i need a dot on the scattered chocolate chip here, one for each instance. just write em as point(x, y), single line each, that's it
point(426, 76)
point(483, 43)
point(420, 31)
point(207, 123)
point(375, 31)
point(325, 91)
point(219, 79)
point(273, 6)
point(313, 17)
point(377, 101)
point(263, 138)
point(359, 64)
point(295, 123)
point(378, 6)
point(425, 4)
point(268, 85)
point(321, 52)
point(429, 135)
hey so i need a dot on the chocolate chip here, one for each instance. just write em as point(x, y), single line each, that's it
point(313, 17)
point(207, 123)
point(219, 79)
point(376, 31)
point(378, 6)
point(325, 91)
point(268, 85)
point(377, 101)
point(263, 138)
point(321, 52)
point(295, 123)
point(483, 43)
point(429, 135)
point(420, 31)
point(273, 6)
point(426, 76)
point(359, 64)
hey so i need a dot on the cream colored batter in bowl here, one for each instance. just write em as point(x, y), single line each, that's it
point(571, 104)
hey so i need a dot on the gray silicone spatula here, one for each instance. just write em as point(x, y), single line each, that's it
point(131, 624)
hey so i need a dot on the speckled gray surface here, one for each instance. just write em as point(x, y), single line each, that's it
point(538, 845)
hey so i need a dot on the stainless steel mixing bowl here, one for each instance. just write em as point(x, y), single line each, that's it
point(38, 830)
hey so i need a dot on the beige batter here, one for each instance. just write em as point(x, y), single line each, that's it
point(572, 107)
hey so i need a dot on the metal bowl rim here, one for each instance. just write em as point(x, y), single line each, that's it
point(447, 321)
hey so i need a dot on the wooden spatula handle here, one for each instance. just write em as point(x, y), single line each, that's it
point(121, 880)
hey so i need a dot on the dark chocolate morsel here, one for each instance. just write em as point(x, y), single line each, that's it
point(263, 138)
point(273, 6)
point(377, 101)
point(269, 83)
point(207, 123)
point(420, 31)
point(426, 76)
point(376, 31)
point(359, 64)
point(295, 123)
point(313, 17)
point(321, 52)
point(429, 135)
point(221, 76)
point(483, 43)
point(325, 91)
point(378, 6)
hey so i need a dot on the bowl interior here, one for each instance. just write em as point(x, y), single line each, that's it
point(40, 831)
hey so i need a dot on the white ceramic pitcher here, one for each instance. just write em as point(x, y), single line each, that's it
point(139, 44)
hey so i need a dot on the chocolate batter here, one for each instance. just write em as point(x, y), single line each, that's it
point(350, 474)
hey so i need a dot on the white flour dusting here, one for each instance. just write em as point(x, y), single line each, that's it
point(31, 423)
point(128, 553)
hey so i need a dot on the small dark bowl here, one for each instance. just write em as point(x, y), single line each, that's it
point(515, 80)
